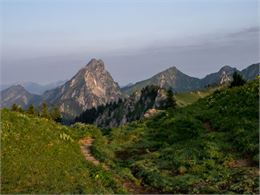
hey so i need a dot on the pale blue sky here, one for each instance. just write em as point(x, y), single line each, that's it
point(49, 40)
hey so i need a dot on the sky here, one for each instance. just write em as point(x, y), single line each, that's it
point(45, 41)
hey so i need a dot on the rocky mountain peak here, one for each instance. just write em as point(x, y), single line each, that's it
point(172, 69)
point(17, 87)
point(95, 64)
point(90, 87)
point(227, 69)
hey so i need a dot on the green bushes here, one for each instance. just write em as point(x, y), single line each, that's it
point(195, 149)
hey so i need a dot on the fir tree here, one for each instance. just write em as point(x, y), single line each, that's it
point(17, 108)
point(237, 80)
point(14, 107)
point(170, 102)
point(55, 114)
point(44, 110)
point(31, 110)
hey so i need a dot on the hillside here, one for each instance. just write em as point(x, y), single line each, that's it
point(187, 98)
point(129, 109)
point(150, 100)
point(41, 156)
point(208, 147)
point(251, 71)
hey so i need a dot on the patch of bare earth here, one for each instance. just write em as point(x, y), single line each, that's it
point(85, 147)
point(207, 126)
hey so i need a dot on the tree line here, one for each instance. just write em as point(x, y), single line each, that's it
point(43, 111)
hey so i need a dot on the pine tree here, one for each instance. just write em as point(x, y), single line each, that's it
point(17, 108)
point(237, 80)
point(44, 110)
point(14, 107)
point(31, 110)
point(170, 99)
point(55, 114)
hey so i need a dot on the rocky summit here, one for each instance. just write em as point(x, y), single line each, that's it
point(90, 87)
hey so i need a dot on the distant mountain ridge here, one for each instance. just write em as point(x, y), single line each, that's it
point(17, 94)
point(33, 87)
point(180, 82)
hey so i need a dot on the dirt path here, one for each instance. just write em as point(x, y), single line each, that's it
point(85, 147)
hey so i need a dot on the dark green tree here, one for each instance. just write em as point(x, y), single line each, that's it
point(170, 101)
point(17, 108)
point(237, 80)
point(14, 107)
point(44, 110)
point(55, 114)
point(31, 110)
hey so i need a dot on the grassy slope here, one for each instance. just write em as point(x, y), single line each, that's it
point(40, 156)
point(208, 147)
point(187, 98)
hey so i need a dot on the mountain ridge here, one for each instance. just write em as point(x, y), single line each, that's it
point(93, 86)
point(33, 87)
point(224, 75)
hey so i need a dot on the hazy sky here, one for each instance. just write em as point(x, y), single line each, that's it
point(49, 40)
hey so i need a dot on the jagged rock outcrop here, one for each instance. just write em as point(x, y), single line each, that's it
point(223, 76)
point(92, 86)
point(130, 109)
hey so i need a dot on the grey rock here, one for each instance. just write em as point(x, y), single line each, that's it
point(90, 87)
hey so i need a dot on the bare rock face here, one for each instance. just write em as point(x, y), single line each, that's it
point(90, 87)
point(135, 107)
point(225, 78)
point(151, 112)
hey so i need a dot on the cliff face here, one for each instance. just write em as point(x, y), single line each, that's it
point(92, 86)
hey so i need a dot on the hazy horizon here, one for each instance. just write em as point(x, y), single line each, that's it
point(47, 41)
